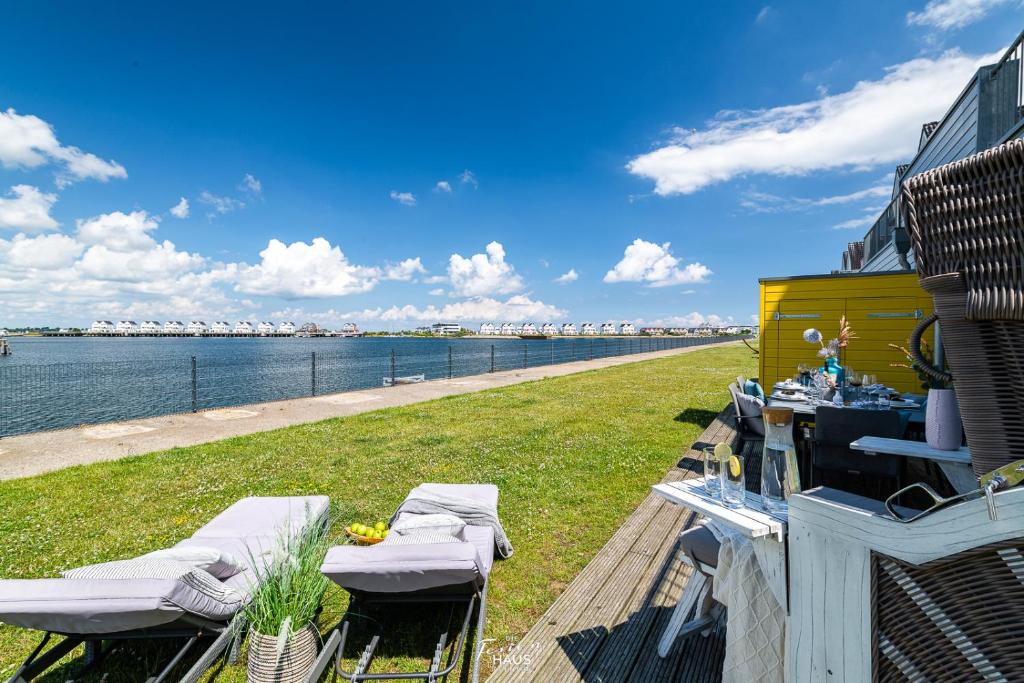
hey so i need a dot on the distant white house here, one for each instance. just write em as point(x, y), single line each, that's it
point(682, 331)
point(150, 327)
point(732, 329)
point(265, 328)
point(197, 327)
point(508, 329)
point(653, 330)
point(243, 327)
point(627, 328)
point(705, 330)
point(588, 328)
point(350, 328)
point(528, 328)
point(607, 328)
point(446, 329)
point(221, 327)
point(174, 327)
point(101, 327)
point(126, 327)
point(3, 332)
point(487, 328)
point(569, 329)
point(286, 328)
point(549, 329)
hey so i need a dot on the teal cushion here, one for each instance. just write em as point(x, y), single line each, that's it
point(752, 388)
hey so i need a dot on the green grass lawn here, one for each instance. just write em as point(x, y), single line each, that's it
point(573, 456)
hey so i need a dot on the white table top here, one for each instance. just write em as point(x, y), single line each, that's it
point(751, 521)
point(915, 449)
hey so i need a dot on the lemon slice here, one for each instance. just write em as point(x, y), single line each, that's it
point(734, 466)
point(723, 452)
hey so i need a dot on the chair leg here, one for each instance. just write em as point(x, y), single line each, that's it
point(39, 661)
point(687, 601)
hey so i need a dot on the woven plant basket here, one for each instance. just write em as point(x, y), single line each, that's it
point(291, 667)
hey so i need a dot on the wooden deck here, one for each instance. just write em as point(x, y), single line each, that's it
point(605, 627)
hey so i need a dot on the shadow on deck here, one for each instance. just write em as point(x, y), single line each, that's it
point(605, 627)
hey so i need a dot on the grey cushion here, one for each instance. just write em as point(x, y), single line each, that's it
point(700, 544)
point(269, 516)
point(143, 568)
point(218, 562)
point(248, 528)
point(103, 605)
point(750, 406)
point(404, 568)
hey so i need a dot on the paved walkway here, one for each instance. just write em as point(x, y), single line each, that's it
point(30, 454)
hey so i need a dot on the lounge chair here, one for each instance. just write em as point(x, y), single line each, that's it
point(423, 571)
point(104, 612)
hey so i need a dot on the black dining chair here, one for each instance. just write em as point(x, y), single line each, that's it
point(836, 465)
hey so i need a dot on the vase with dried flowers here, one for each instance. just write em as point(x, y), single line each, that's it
point(831, 350)
point(943, 426)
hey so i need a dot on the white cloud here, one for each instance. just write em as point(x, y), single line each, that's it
point(45, 252)
point(27, 141)
point(467, 177)
point(570, 276)
point(515, 308)
point(27, 208)
point(948, 14)
point(404, 270)
point(157, 263)
point(250, 185)
point(439, 291)
point(220, 204)
point(443, 186)
point(180, 210)
point(764, 202)
point(301, 270)
point(118, 231)
point(764, 14)
point(483, 274)
point(865, 221)
point(654, 264)
point(692, 320)
point(875, 122)
point(404, 198)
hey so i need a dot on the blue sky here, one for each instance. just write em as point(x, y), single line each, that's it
point(396, 164)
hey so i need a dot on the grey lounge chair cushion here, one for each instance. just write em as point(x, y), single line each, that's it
point(105, 605)
point(258, 516)
point(404, 568)
point(89, 606)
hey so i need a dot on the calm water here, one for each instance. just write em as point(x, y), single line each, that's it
point(56, 382)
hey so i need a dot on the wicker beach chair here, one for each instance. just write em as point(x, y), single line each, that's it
point(966, 220)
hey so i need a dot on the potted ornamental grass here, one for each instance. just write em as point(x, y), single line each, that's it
point(943, 426)
point(283, 636)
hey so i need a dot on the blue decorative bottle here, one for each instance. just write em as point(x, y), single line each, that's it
point(833, 368)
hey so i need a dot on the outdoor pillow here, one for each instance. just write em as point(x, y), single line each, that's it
point(750, 406)
point(222, 565)
point(421, 536)
point(198, 580)
point(752, 388)
point(439, 523)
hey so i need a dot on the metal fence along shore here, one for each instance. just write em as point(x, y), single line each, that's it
point(37, 397)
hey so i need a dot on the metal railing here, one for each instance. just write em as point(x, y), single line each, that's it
point(62, 395)
point(1010, 71)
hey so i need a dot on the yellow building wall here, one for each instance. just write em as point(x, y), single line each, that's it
point(881, 309)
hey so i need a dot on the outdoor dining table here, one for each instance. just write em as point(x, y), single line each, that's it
point(799, 407)
point(765, 531)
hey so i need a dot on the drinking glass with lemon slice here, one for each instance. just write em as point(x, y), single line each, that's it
point(734, 481)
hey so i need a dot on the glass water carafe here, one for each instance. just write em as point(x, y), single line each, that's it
point(780, 477)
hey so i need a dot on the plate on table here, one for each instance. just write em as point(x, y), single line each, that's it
point(792, 396)
point(790, 386)
point(902, 403)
